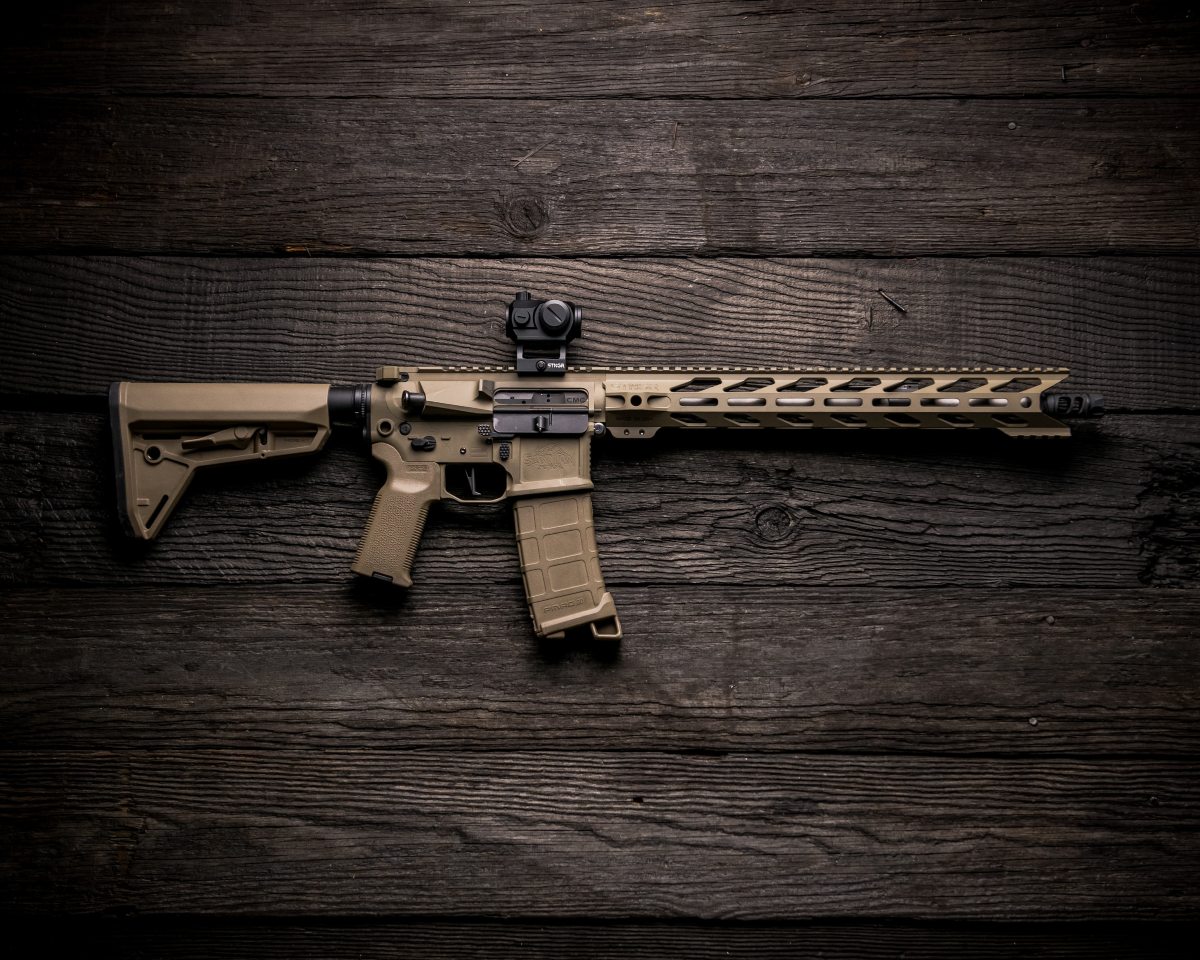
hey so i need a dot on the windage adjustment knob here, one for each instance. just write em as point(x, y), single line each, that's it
point(554, 316)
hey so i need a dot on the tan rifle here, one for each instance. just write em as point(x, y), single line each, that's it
point(524, 433)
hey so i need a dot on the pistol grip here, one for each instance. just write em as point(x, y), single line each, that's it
point(397, 517)
point(561, 567)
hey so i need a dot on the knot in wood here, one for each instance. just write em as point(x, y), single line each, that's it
point(524, 217)
point(773, 523)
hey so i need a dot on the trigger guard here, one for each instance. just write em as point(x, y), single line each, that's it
point(475, 482)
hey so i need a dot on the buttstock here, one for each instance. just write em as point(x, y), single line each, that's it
point(163, 433)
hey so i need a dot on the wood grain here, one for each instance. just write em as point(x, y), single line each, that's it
point(1023, 672)
point(1115, 506)
point(912, 695)
point(583, 834)
point(714, 48)
point(206, 938)
point(1124, 325)
point(424, 176)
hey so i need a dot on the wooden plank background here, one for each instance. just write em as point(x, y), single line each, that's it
point(612, 177)
point(879, 694)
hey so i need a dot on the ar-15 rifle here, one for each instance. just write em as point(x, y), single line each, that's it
point(483, 435)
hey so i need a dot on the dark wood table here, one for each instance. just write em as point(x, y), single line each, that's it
point(879, 694)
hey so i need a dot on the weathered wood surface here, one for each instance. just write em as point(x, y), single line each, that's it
point(1024, 672)
point(181, 938)
point(715, 48)
point(584, 834)
point(1114, 507)
point(425, 176)
point(1125, 325)
point(880, 694)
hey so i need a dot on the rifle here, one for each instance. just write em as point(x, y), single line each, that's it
point(483, 435)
